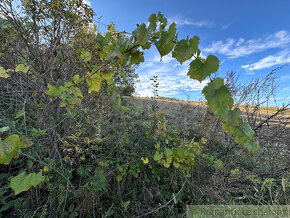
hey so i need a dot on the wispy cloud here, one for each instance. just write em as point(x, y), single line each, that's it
point(234, 48)
point(182, 21)
point(280, 58)
point(226, 26)
point(172, 77)
point(286, 77)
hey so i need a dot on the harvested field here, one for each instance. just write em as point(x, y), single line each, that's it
point(273, 135)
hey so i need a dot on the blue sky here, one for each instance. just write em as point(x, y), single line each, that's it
point(251, 37)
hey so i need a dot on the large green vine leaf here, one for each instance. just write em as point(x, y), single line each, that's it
point(136, 58)
point(234, 117)
point(218, 97)
point(200, 69)
point(220, 102)
point(166, 41)
point(23, 182)
point(152, 20)
point(185, 48)
point(142, 34)
point(252, 145)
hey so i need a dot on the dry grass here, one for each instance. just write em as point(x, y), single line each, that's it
point(271, 161)
point(274, 135)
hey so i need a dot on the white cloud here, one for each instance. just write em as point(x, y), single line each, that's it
point(280, 58)
point(233, 48)
point(181, 21)
point(88, 2)
point(172, 77)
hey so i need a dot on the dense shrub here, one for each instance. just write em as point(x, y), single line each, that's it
point(73, 145)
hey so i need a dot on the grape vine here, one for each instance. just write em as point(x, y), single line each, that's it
point(118, 49)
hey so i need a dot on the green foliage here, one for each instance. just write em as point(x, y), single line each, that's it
point(89, 140)
point(221, 103)
point(69, 94)
point(86, 56)
point(167, 40)
point(10, 147)
point(3, 73)
point(21, 68)
point(200, 69)
point(4, 129)
point(94, 81)
point(185, 49)
point(142, 34)
point(53, 91)
point(37, 132)
point(218, 97)
point(24, 182)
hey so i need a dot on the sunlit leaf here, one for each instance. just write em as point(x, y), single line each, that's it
point(3, 73)
point(21, 68)
point(53, 91)
point(218, 97)
point(86, 56)
point(94, 81)
point(23, 182)
point(157, 156)
point(108, 75)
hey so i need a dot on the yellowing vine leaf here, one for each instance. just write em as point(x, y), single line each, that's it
point(108, 75)
point(157, 156)
point(26, 142)
point(21, 68)
point(10, 147)
point(86, 56)
point(24, 182)
point(3, 73)
point(145, 161)
point(94, 81)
